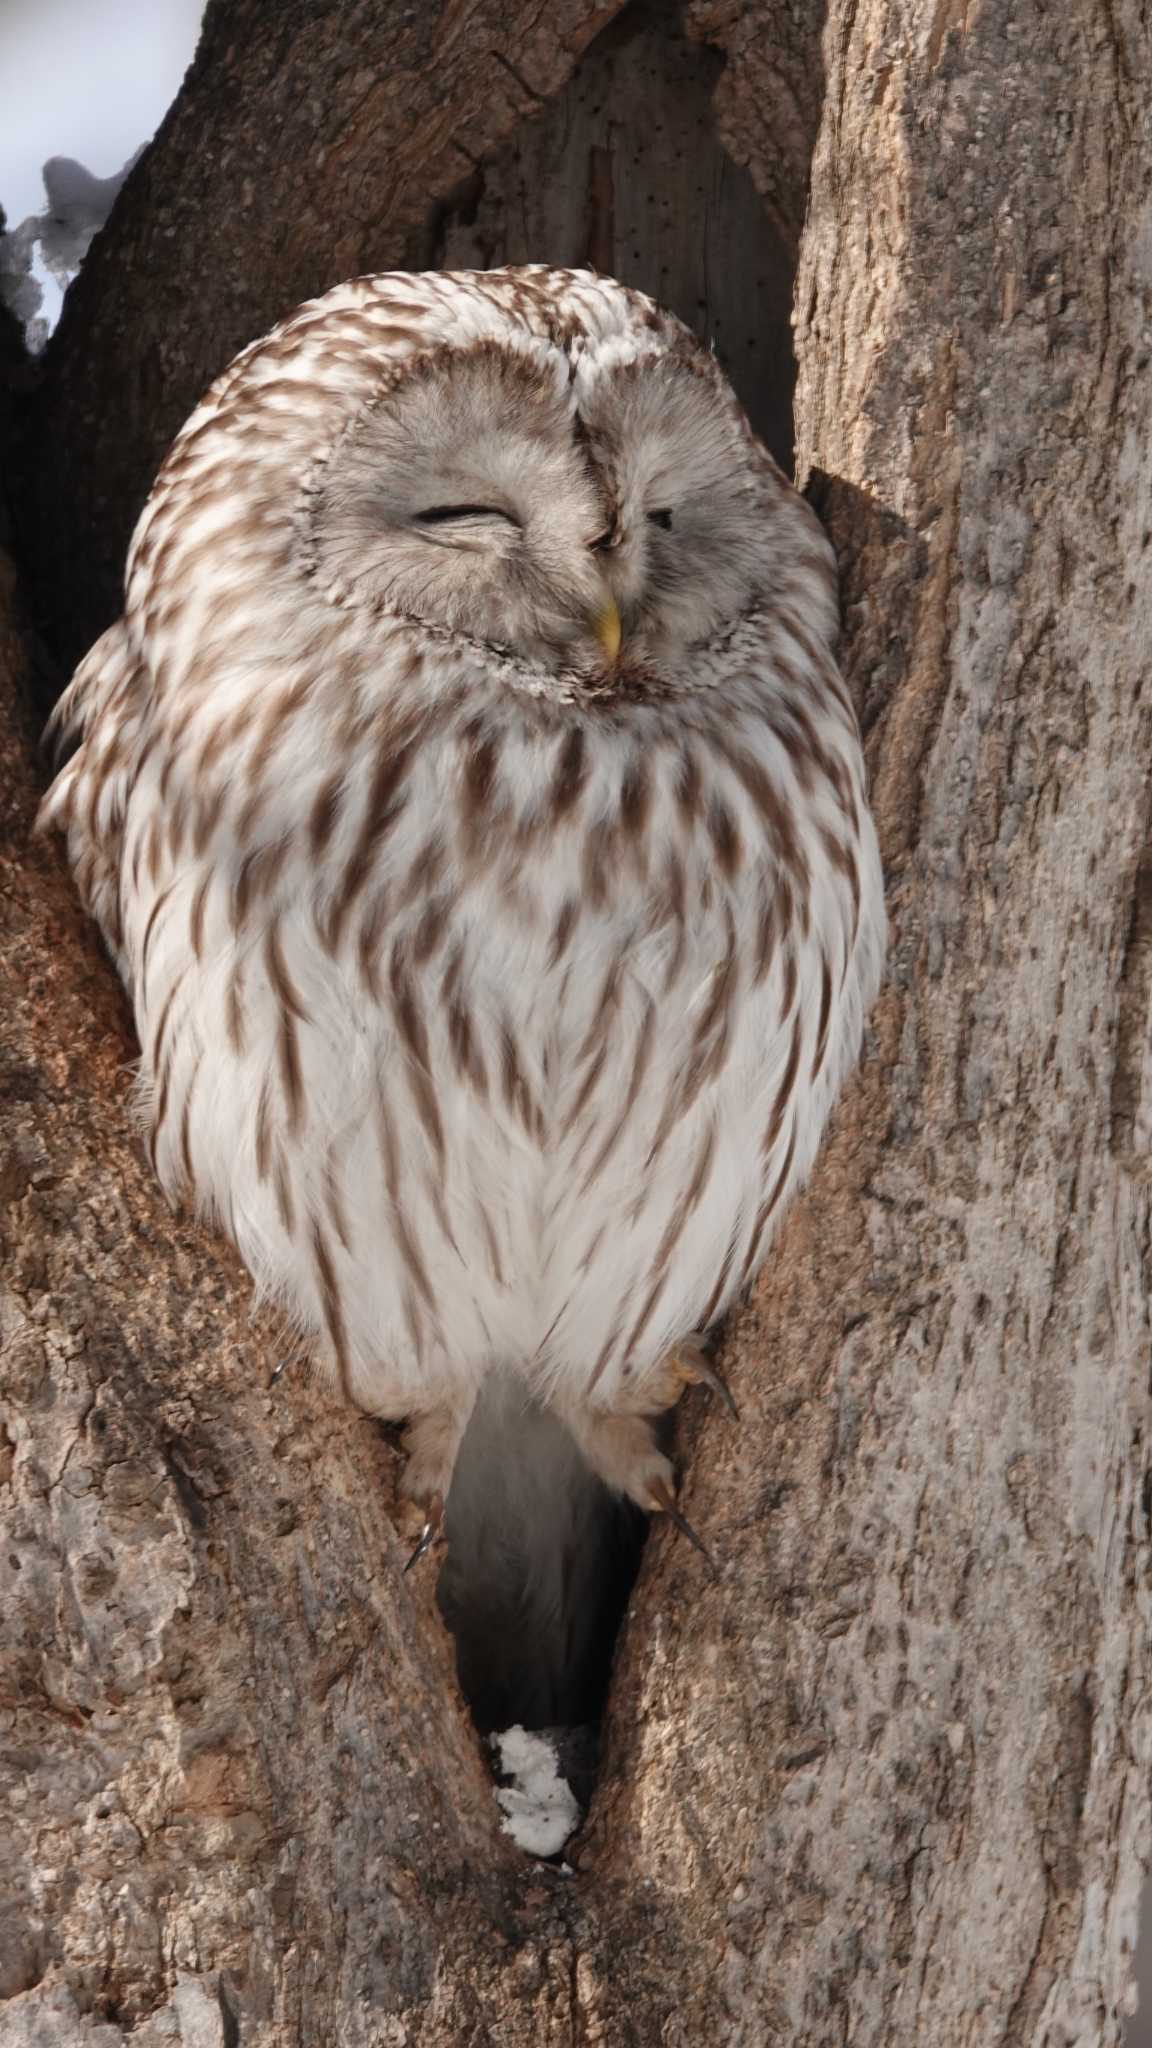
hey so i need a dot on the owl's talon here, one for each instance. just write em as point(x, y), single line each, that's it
point(698, 1370)
point(429, 1532)
point(663, 1502)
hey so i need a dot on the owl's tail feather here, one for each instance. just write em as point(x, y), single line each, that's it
point(541, 1560)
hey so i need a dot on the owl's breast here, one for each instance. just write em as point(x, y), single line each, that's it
point(506, 1042)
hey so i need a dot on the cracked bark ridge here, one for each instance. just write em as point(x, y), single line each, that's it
point(887, 1781)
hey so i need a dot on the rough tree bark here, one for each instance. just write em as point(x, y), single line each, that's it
point(886, 1781)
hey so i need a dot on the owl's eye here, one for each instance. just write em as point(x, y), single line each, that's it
point(439, 515)
point(661, 518)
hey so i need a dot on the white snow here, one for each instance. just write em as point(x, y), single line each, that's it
point(78, 206)
point(20, 291)
point(539, 1810)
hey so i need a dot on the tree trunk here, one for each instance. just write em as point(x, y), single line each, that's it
point(886, 1780)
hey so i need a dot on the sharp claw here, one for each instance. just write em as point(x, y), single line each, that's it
point(429, 1532)
point(663, 1500)
point(698, 1367)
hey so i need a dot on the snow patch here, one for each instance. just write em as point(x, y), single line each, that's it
point(539, 1810)
point(78, 206)
point(20, 291)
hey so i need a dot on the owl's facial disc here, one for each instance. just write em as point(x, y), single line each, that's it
point(464, 499)
point(595, 518)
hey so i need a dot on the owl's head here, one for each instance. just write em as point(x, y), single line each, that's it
point(594, 512)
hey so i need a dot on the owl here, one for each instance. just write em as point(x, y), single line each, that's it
point(476, 813)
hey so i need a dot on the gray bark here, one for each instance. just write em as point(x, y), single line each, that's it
point(886, 1781)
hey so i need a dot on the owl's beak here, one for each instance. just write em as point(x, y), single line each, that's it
point(606, 627)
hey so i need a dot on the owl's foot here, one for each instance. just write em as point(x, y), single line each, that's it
point(431, 1441)
point(687, 1365)
point(428, 1533)
point(697, 1370)
point(624, 1453)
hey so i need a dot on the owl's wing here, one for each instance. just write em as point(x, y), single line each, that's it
point(102, 706)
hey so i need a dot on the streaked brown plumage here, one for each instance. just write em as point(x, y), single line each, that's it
point(477, 815)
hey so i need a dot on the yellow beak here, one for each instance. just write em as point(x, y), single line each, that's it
point(606, 627)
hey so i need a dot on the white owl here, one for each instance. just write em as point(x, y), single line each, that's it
point(476, 812)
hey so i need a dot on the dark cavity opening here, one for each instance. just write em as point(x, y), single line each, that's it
point(540, 1563)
